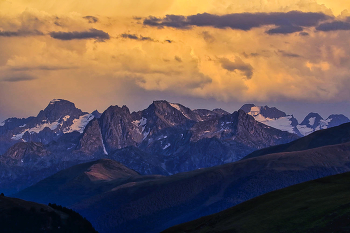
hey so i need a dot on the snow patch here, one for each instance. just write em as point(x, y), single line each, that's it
point(104, 148)
point(282, 123)
point(304, 130)
point(176, 106)
point(79, 124)
point(312, 120)
point(166, 146)
point(66, 118)
point(36, 129)
point(143, 121)
point(254, 111)
point(2, 123)
point(21, 126)
point(54, 100)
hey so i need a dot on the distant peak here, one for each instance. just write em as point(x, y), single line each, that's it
point(247, 107)
point(160, 101)
point(59, 108)
point(265, 111)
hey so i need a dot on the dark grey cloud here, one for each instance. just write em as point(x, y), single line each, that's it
point(136, 37)
point(178, 59)
point(238, 64)
point(333, 26)
point(288, 54)
point(91, 19)
point(285, 23)
point(303, 34)
point(285, 30)
point(169, 41)
point(18, 78)
point(47, 68)
point(21, 33)
point(91, 34)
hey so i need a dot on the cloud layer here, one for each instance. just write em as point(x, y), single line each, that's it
point(284, 23)
point(76, 35)
point(204, 51)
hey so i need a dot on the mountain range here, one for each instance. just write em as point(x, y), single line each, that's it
point(163, 139)
point(128, 201)
point(280, 120)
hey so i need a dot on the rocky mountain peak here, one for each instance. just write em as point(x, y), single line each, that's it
point(312, 120)
point(337, 119)
point(24, 153)
point(96, 114)
point(247, 107)
point(265, 111)
point(58, 109)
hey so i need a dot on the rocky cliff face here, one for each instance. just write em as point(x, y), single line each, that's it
point(165, 139)
point(58, 118)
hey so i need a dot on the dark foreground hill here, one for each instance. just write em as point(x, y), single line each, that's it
point(17, 215)
point(317, 206)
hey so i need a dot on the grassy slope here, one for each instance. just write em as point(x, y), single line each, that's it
point(321, 205)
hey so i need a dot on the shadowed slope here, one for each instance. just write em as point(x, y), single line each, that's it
point(158, 204)
point(316, 206)
point(331, 136)
point(17, 215)
point(80, 181)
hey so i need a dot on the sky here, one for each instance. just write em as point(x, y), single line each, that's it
point(291, 54)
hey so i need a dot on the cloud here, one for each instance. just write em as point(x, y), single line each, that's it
point(238, 64)
point(333, 26)
point(304, 34)
point(177, 58)
point(285, 30)
point(21, 33)
point(285, 23)
point(135, 37)
point(91, 34)
point(288, 54)
point(18, 78)
point(91, 19)
point(43, 67)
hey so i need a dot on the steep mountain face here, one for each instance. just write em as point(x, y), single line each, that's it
point(165, 138)
point(279, 120)
point(58, 118)
point(178, 138)
point(22, 216)
point(315, 206)
point(158, 204)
